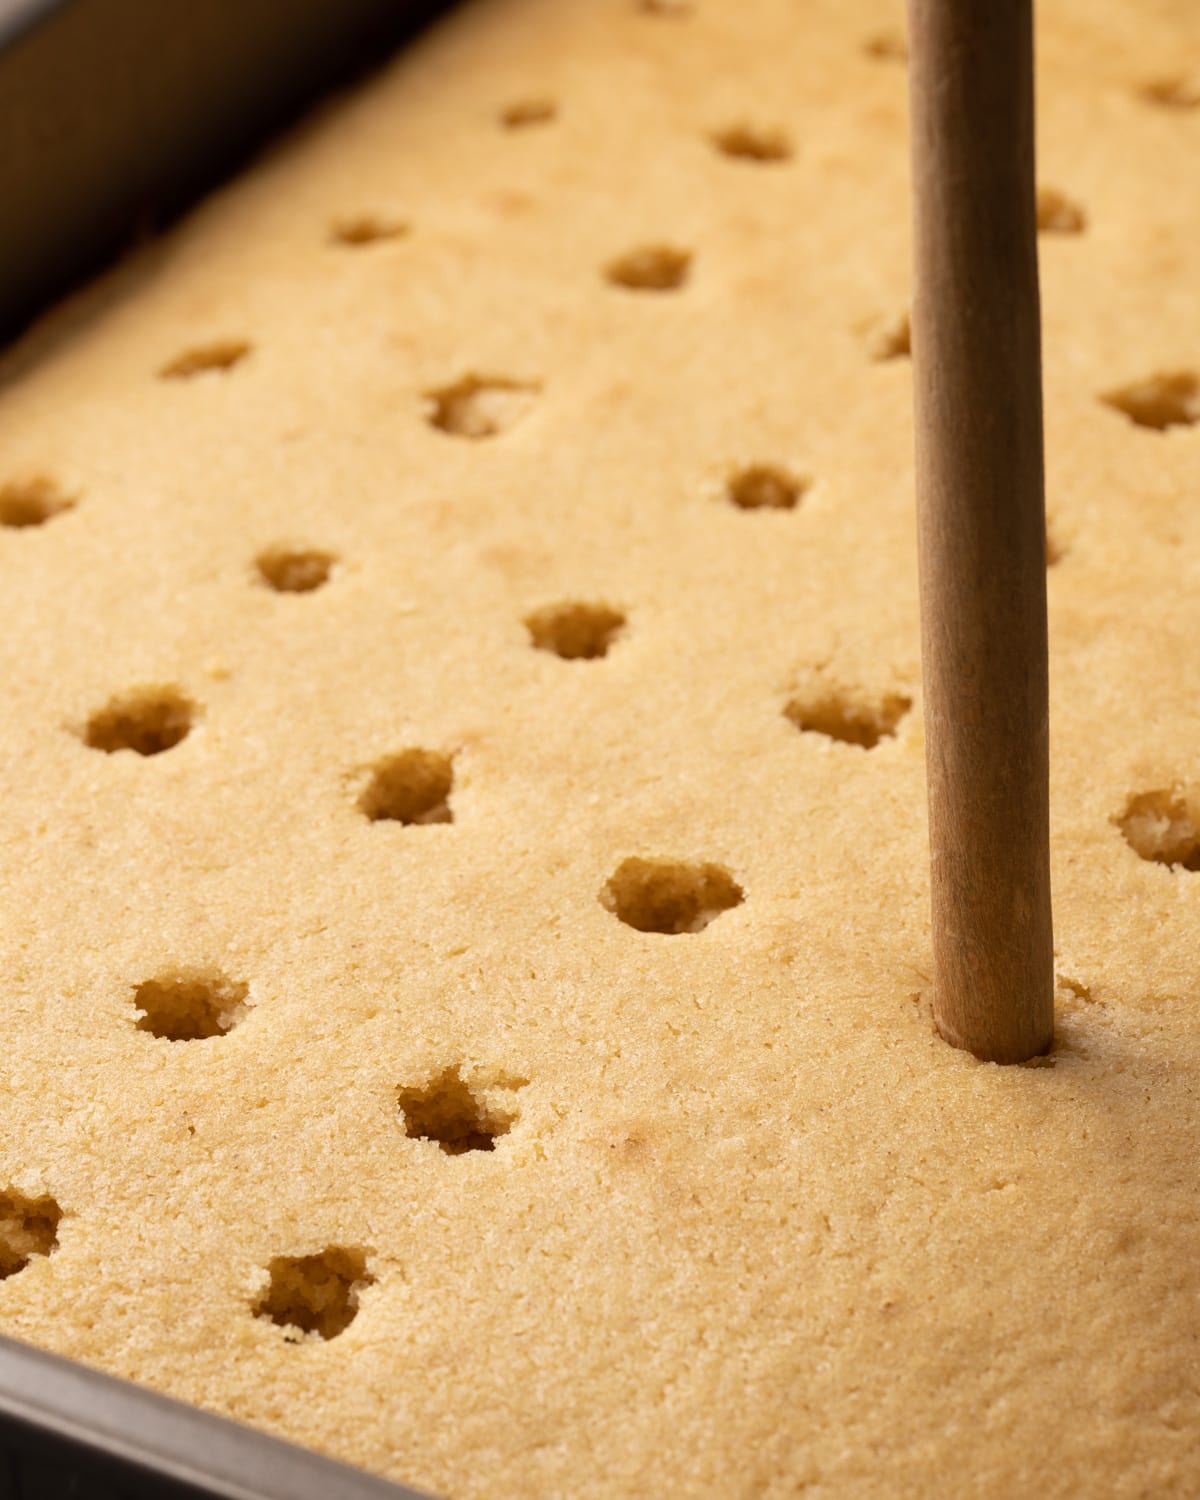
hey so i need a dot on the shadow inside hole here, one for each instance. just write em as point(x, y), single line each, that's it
point(850, 722)
point(456, 1116)
point(650, 268)
point(1170, 398)
point(147, 721)
point(1163, 827)
point(190, 1006)
point(314, 1295)
point(28, 1227)
point(294, 570)
point(411, 787)
point(670, 896)
point(575, 632)
point(32, 502)
point(203, 359)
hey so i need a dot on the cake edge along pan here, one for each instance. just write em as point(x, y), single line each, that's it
point(86, 170)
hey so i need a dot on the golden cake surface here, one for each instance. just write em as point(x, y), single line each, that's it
point(464, 947)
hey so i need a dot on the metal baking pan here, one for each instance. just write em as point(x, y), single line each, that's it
point(114, 116)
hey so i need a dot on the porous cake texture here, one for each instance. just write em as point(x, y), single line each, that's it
point(465, 938)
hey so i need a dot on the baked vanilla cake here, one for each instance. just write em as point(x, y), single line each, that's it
point(465, 951)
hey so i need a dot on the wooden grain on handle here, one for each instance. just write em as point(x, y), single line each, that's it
point(981, 522)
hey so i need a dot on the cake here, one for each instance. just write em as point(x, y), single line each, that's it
point(465, 948)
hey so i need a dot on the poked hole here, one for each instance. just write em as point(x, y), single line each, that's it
point(766, 487)
point(480, 406)
point(650, 268)
point(457, 1114)
point(191, 1005)
point(216, 357)
point(849, 720)
point(537, 109)
point(574, 631)
point(28, 1229)
point(1170, 398)
point(1163, 826)
point(314, 1296)
point(295, 570)
point(669, 896)
point(411, 787)
point(888, 338)
point(743, 141)
point(1057, 213)
point(1173, 91)
point(32, 501)
point(354, 231)
point(145, 720)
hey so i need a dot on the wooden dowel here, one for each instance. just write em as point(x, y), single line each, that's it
point(977, 391)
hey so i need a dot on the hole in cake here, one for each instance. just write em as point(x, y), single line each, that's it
point(1055, 551)
point(532, 111)
point(190, 1006)
point(850, 723)
point(670, 896)
point(145, 720)
point(889, 338)
point(750, 143)
point(1058, 214)
point(765, 487)
point(32, 502)
point(295, 570)
point(479, 406)
point(356, 230)
point(28, 1227)
point(315, 1294)
point(650, 268)
point(1180, 91)
point(576, 632)
point(410, 787)
point(887, 46)
point(1169, 399)
point(448, 1111)
point(1160, 826)
point(221, 354)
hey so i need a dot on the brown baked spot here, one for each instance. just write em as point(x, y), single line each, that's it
point(1058, 214)
point(674, 9)
point(852, 722)
point(1055, 551)
point(459, 1118)
point(752, 143)
point(221, 354)
point(670, 896)
point(190, 1006)
point(765, 487)
point(887, 46)
point(1177, 91)
point(32, 502)
point(145, 720)
point(1168, 399)
point(650, 268)
point(576, 632)
point(523, 112)
point(315, 1294)
point(356, 230)
point(480, 406)
point(412, 786)
point(28, 1227)
point(1162, 826)
point(889, 338)
point(295, 570)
